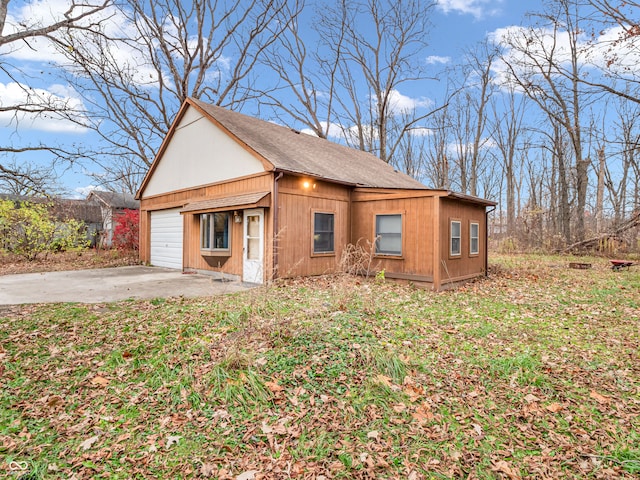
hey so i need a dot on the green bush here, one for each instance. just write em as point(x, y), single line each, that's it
point(29, 230)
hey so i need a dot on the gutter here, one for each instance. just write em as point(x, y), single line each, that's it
point(275, 224)
point(486, 240)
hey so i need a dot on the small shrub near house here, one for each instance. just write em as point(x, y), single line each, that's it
point(126, 232)
point(29, 230)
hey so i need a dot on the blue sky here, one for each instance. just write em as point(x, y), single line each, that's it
point(457, 25)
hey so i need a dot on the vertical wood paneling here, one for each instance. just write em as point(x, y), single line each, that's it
point(465, 265)
point(192, 257)
point(417, 233)
point(295, 234)
point(426, 217)
point(144, 241)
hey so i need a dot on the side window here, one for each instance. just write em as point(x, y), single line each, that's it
point(455, 238)
point(389, 234)
point(205, 231)
point(323, 232)
point(214, 231)
point(474, 238)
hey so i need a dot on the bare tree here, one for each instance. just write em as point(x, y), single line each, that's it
point(481, 82)
point(349, 85)
point(79, 16)
point(508, 118)
point(134, 75)
point(620, 51)
point(73, 18)
point(437, 168)
point(544, 62)
point(27, 179)
point(622, 181)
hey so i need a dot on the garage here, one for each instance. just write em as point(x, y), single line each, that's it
point(166, 238)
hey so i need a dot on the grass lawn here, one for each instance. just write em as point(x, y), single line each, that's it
point(534, 372)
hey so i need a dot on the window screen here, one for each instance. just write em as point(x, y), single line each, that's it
point(323, 232)
point(389, 234)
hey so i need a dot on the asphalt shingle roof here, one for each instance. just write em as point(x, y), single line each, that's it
point(303, 154)
point(116, 200)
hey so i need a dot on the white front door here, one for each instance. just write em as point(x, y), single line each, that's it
point(253, 246)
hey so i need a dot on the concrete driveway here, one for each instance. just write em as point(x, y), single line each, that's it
point(109, 285)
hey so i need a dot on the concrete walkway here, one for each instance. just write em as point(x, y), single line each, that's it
point(109, 285)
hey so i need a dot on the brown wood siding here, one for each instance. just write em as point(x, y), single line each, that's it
point(258, 183)
point(297, 204)
point(417, 234)
point(192, 256)
point(144, 240)
point(465, 266)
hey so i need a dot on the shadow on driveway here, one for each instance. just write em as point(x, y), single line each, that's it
point(109, 285)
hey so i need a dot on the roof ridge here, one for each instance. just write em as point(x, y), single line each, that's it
point(293, 151)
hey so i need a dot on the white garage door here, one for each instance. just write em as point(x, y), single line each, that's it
point(166, 238)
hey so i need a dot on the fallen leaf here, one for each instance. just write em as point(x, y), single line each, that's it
point(274, 387)
point(504, 467)
point(601, 399)
point(172, 440)
point(477, 429)
point(55, 400)
point(249, 475)
point(555, 407)
point(88, 443)
point(208, 469)
point(384, 380)
point(124, 436)
point(423, 413)
point(100, 381)
point(530, 398)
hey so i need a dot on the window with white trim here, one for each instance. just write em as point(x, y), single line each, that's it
point(323, 232)
point(474, 238)
point(389, 234)
point(215, 231)
point(455, 230)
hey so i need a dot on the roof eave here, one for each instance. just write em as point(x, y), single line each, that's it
point(471, 199)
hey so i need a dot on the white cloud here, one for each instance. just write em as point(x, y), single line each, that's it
point(477, 8)
point(400, 103)
point(335, 130)
point(421, 132)
point(57, 97)
point(83, 192)
point(38, 13)
point(40, 50)
point(436, 59)
point(610, 51)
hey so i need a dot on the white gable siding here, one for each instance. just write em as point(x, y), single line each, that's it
point(199, 153)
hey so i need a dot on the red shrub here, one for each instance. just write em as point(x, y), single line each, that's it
point(125, 234)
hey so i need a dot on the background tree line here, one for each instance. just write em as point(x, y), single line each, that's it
point(542, 117)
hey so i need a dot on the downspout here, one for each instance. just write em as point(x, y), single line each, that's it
point(486, 240)
point(275, 224)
